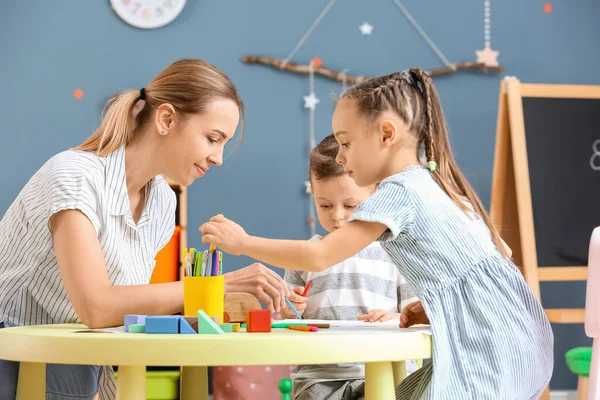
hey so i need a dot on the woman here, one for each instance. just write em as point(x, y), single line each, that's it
point(78, 243)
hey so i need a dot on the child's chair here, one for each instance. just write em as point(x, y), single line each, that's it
point(592, 313)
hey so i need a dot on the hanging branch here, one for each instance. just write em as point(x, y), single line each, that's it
point(339, 76)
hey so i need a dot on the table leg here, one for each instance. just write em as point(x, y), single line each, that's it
point(131, 384)
point(194, 383)
point(399, 368)
point(32, 381)
point(379, 381)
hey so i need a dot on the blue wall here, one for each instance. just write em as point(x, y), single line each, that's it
point(48, 50)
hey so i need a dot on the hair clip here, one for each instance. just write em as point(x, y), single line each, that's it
point(432, 165)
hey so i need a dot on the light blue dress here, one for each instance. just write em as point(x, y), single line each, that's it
point(491, 337)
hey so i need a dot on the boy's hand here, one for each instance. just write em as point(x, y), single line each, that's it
point(298, 301)
point(378, 315)
point(413, 314)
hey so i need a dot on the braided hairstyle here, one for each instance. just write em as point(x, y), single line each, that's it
point(412, 96)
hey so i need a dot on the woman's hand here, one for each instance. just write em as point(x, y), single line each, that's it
point(225, 234)
point(378, 315)
point(298, 301)
point(261, 282)
point(413, 314)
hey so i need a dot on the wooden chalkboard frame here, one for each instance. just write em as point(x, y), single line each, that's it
point(511, 208)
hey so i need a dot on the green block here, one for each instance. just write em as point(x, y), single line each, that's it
point(206, 325)
point(137, 328)
point(227, 328)
point(579, 360)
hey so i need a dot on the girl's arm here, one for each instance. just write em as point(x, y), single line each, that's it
point(83, 270)
point(292, 254)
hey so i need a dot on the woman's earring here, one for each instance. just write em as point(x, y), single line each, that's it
point(162, 132)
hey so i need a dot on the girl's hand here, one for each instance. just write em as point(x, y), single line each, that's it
point(413, 314)
point(225, 234)
point(298, 301)
point(378, 315)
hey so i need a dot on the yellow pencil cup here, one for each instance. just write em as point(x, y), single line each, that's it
point(204, 293)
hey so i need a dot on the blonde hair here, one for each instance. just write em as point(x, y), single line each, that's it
point(413, 97)
point(189, 85)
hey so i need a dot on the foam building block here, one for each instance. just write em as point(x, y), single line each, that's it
point(227, 327)
point(206, 325)
point(216, 319)
point(133, 319)
point(193, 321)
point(137, 328)
point(162, 324)
point(258, 321)
point(186, 328)
point(236, 326)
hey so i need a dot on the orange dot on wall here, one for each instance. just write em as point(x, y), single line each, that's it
point(78, 94)
point(548, 8)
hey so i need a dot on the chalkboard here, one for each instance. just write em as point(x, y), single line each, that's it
point(563, 155)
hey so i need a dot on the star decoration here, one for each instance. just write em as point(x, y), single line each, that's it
point(366, 28)
point(307, 187)
point(311, 101)
point(547, 8)
point(487, 57)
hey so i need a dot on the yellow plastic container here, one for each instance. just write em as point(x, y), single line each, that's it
point(204, 293)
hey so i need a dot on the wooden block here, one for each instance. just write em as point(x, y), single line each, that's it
point(216, 319)
point(226, 318)
point(133, 319)
point(185, 328)
point(236, 327)
point(137, 328)
point(227, 327)
point(206, 325)
point(191, 320)
point(258, 321)
point(168, 324)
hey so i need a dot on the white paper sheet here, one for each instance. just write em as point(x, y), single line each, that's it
point(355, 326)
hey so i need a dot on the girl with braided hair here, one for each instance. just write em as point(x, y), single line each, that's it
point(492, 339)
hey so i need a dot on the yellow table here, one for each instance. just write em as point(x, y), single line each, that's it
point(34, 346)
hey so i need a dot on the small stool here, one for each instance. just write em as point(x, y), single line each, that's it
point(579, 360)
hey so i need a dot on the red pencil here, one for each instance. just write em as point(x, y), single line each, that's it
point(307, 289)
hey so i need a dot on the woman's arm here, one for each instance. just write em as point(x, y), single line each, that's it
point(83, 270)
point(292, 254)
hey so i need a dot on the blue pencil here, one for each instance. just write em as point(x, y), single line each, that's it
point(291, 306)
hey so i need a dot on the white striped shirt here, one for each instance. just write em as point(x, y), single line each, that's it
point(366, 281)
point(31, 290)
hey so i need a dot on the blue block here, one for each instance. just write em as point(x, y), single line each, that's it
point(185, 328)
point(162, 324)
point(133, 319)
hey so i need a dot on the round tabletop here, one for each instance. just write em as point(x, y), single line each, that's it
point(75, 344)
